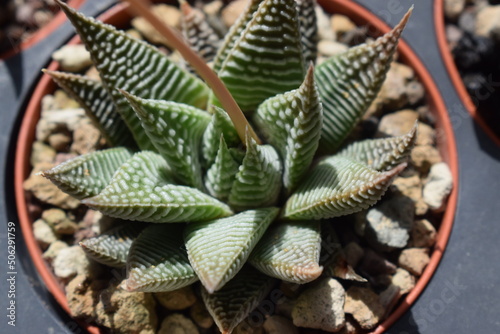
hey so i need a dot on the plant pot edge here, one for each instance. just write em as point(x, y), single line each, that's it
point(447, 148)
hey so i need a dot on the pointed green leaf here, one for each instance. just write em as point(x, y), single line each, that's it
point(333, 257)
point(111, 247)
point(158, 261)
point(140, 191)
point(220, 124)
point(218, 249)
point(349, 82)
point(98, 106)
point(338, 186)
point(175, 130)
point(199, 34)
point(235, 33)
point(341, 269)
point(306, 10)
point(258, 181)
point(234, 302)
point(140, 69)
point(87, 175)
point(220, 177)
point(382, 154)
point(291, 122)
point(267, 58)
point(290, 251)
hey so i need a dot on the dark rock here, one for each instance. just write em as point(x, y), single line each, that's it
point(375, 264)
point(473, 52)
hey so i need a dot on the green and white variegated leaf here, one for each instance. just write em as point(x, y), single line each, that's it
point(175, 130)
point(111, 247)
point(158, 261)
point(267, 58)
point(136, 67)
point(220, 124)
point(258, 182)
point(200, 35)
point(308, 29)
point(235, 33)
point(237, 154)
point(98, 105)
point(349, 82)
point(87, 175)
point(290, 251)
point(220, 177)
point(338, 186)
point(291, 122)
point(218, 249)
point(234, 302)
point(140, 191)
point(382, 154)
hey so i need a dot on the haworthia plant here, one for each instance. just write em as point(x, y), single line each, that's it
point(226, 210)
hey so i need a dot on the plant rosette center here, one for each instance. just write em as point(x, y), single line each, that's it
point(277, 191)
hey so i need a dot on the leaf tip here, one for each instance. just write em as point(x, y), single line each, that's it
point(400, 26)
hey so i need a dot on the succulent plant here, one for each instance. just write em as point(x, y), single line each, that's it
point(204, 198)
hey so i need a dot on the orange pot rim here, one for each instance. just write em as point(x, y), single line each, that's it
point(453, 73)
point(41, 33)
point(446, 144)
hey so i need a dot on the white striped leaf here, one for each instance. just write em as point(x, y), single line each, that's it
point(258, 181)
point(220, 124)
point(291, 122)
point(290, 251)
point(137, 67)
point(349, 82)
point(98, 106)
point(267, 59)
point(235, 33)
point(220, 177)
point(140, 191)
point(175, 130)
point(338, 186)
point(218, 249)
point(111, 247)
point(234, 302)
point(306, 10)
point(199, 34)
point(158, 261)
point(87, 175)
point(382, 154)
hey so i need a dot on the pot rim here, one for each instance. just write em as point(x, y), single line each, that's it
point(41, 33)
point(453, 73)
point(446, 144)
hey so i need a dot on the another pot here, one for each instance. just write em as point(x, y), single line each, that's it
point(119, 16)
point(43, 32)
point(455, 75)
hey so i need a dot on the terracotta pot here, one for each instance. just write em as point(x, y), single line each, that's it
point(455, 75)
point(119, 16)
point(43, 32)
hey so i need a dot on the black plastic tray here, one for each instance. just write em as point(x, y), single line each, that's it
point(464, 293)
